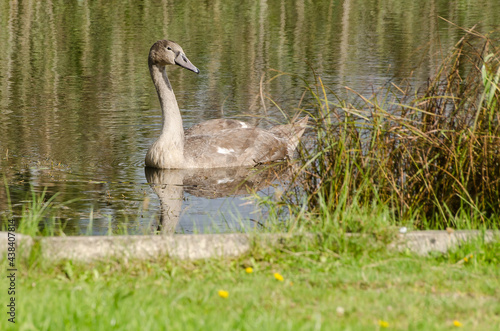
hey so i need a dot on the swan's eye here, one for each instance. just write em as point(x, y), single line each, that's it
point(169, 48)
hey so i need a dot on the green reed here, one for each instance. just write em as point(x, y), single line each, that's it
point(431, 155)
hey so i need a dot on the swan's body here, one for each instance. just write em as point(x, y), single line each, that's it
point(214, 143)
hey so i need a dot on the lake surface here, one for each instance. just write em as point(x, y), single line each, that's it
point(78, 110)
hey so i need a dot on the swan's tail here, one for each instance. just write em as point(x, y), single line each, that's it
point(292, 133)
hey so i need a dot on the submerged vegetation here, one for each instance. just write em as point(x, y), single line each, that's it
point(430, 156)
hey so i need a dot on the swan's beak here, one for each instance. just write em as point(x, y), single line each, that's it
point(183, 61)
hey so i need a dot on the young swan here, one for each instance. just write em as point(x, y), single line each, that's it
point(214, 143)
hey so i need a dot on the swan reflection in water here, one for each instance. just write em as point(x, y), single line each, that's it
point(200, 154)
point(170, 185)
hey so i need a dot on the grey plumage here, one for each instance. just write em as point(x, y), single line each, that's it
point(214, 143)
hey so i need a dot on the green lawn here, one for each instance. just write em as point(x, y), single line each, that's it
point(321, 290)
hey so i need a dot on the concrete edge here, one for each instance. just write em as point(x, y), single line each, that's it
point(203, 246)
point(424, 242)
point(23, 244)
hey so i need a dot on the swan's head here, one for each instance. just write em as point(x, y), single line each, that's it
point(165, 52)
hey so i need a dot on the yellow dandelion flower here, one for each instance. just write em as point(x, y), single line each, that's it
point(249, 270)
point(278, 277)
point(457, 323)
point(383, 324)
point(223, 294)
point(466, 259)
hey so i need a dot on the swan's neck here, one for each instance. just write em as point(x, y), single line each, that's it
point(168, 150)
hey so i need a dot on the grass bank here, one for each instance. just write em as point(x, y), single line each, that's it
point(355, 285)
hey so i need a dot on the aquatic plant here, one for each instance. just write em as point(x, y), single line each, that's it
point(430, 154)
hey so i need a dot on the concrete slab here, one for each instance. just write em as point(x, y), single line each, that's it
point(423, 242)
point(204, 246)
point(143, 247)
point(23, 243)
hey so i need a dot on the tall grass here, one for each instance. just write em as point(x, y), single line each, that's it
point(431, 154)
point(37, 215)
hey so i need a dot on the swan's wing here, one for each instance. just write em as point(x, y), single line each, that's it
point(291, 133)
point(234, 147)
point(215, 126)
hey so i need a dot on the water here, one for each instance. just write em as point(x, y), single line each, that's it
point(78, 109)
